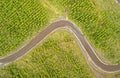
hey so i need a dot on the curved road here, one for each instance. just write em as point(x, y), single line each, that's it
point(55, 25)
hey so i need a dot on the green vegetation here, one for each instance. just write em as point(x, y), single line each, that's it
point(103, 21)
point(19, 21)
point(99, 20)
point(54, 58)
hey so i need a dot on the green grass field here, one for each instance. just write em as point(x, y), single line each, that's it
point(100, 22)
point(54, 58)
point(21, 20)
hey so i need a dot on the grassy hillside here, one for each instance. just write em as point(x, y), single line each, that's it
point(54, 58)
point(99, 20)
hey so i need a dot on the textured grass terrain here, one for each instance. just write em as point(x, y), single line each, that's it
point(59, 55)
point(99, 20)
point(54, 58)
point(102, 26)
point(19, 21)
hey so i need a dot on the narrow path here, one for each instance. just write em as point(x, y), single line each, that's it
point(52, 27)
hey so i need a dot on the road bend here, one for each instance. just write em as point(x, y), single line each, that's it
point(55, 25)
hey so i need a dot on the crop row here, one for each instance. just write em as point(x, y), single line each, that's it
point(19, 21)
point(55, 58)
point(100, 24)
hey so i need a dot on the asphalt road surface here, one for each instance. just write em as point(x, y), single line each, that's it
point(53, 26)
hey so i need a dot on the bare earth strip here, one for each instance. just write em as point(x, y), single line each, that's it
point(52, 27)
point(118, 1)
